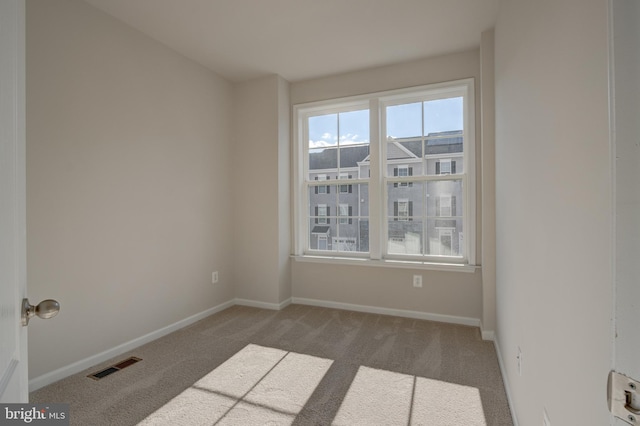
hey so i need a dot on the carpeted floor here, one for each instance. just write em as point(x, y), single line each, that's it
point(357, 352)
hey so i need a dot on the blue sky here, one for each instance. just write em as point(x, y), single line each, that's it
point(402, 121)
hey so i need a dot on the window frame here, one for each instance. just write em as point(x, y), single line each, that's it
point(377, 181)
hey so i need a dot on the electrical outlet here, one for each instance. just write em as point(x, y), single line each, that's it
point(214, 277)
point(417, 281)
point(519, 358)
point(545, 418)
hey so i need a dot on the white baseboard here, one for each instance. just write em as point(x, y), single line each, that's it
point(91, 361)
point(503, 371)
point(487, 334)
point(388, 311)
point(263, 305)
point(78, 366)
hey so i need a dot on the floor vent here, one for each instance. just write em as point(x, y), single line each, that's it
point(114, 368)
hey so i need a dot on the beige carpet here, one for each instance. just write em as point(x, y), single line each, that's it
point(301, 365)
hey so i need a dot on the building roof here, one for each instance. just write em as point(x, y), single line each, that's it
point(320, 229)
point(400, 148)
point(327, 158)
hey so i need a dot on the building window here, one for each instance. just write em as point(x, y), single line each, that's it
point(411, 189)
point(402, 209)
point(444, 208)
point(321, 189)
point(345, 189)
point(344, 212)
point(322, 211)
point(402, 171)
point(444, 167)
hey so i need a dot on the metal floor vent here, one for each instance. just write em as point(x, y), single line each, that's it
point(114, 368)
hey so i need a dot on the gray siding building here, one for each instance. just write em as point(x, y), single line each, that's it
point(424, 217)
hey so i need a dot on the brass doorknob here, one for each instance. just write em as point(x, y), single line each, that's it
point(46, 309)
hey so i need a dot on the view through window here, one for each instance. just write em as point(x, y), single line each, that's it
point(388, 175)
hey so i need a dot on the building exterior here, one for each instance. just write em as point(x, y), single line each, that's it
point(424, 216)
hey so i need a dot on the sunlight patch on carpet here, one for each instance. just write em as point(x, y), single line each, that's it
point(257, 385)
point(384, 397)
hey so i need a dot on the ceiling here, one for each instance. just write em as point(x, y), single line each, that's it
point(303, 39)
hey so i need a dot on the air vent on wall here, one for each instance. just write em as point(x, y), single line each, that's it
point(114, 368)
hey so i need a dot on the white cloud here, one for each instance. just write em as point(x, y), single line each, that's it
point(327, 140)
point(327, 136)
point(320, 144)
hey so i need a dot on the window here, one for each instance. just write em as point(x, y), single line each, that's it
point(443, 167)
point(408, 157)
point(321, 189)
point(444, 205)
point(322, 211)
point(344, 213)
point(344, 189)
point(401, 209)
point(402, 171)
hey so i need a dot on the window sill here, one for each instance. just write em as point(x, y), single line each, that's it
point(404, 264)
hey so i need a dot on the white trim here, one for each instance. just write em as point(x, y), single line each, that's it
point(503, 372)
point(87, 363)
point(452, 155)
point(488, 335)
point(8, 374)
point(451, 319)
point(386, 263)
point(263, 305)
point(78, 366)
point(378, 181)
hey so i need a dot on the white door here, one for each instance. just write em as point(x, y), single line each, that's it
point(13, 337)
point(626, 136)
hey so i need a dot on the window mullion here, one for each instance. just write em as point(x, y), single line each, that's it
point(376, 200)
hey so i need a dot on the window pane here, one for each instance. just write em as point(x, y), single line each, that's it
point(323, 131)
point(405, 203)
point(404, 121)
point(321, 160)
point(354, 127)
point(404, 153)
point(445, 237)
point(404, 237)
point(443, 115)
point(354, 142)
point(319, 236)
point(357, 198)
point(445, 199)
point(340, 219)
point(322, 206)
point(353, 220)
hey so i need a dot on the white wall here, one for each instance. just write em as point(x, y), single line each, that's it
point(626, 31)
point(128, 183)
point(444, 293)
point(260, 182)
point(553, 208)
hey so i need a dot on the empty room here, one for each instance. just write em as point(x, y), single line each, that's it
point(309, 212)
